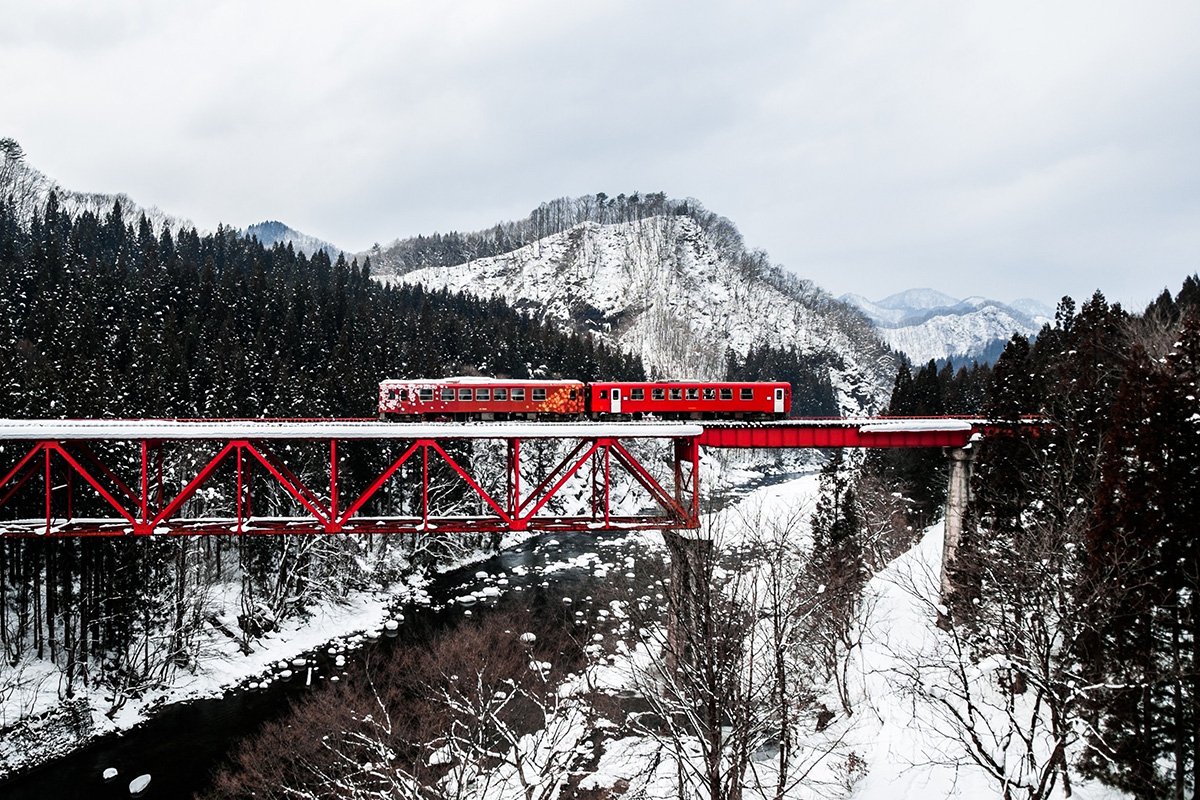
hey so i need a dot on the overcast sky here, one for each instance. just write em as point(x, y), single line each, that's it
point(1006, 149)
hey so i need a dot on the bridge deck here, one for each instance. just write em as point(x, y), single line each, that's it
point(54, 481)
point(156, 429)
point(848, 432)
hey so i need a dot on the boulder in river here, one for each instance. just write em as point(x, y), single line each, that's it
point(139, 785)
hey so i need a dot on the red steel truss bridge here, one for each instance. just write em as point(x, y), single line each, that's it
point(181, 477)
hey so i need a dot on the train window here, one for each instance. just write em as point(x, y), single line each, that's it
point(518, 395)
point(447, 395)
point(502, 394)
point(693, 394)
point(425, 393)
point(483, 394)
point(573, 394)
point(727, 394)
point(658, 394)
point(710, 394)
point(604, 394)
point(464, 394)
point(637, 394)
point(539, 395)
point(747, 394)
point(392, 394)
point(677, 394)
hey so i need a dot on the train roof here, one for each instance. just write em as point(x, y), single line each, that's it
point(671, 381)
point(482, 380)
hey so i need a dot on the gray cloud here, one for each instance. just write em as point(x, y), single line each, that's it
point(1001, 149)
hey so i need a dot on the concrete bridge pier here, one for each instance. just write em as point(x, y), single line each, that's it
point(958, 495)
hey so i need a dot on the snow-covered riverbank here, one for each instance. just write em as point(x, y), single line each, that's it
point(39, 723)
point(896, 744)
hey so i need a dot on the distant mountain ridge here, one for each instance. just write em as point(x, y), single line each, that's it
point(926, 324)
point(272, 232)
point(678, 288)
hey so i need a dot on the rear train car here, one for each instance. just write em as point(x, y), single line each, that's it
point(689, 400)
point(465, 398)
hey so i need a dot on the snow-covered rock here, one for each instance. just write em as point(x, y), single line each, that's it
point(139, 784)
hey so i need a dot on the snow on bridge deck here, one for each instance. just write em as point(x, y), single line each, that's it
point(154, 429)
point(823, 432)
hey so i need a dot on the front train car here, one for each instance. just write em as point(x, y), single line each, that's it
point(472, 398)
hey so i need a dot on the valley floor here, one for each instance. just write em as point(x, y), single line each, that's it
point(896, 744)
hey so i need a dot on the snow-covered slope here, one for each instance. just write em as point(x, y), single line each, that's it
point(661, 288)
point(972, 335)
point(29, 189)
point(925, 324)
point(272, 232)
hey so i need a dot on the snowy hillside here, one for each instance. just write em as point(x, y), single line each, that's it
point(972, 335)
point(272, 232)
point(661, 288)
point(925, 324)
point(29, 189)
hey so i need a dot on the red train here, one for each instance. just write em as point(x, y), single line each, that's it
point(501, 399)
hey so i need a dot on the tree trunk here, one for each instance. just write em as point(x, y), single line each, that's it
point(1178, 722)
point(39, 642)
point(690, 557)
point(51, 585)
point(1195, 688)
point(4, 596)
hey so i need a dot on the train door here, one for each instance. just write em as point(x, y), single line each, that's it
point(779, 409)
point(616, 400)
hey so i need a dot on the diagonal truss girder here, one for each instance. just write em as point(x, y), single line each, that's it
point(150, 503)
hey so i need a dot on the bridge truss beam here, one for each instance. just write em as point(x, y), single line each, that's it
point(135, 489)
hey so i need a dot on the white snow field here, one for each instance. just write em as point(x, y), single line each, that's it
point(896, 745)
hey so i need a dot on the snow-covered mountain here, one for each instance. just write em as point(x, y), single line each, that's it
point(895, 309)
point(272, 232)
point(925, 324)
point(666, 289)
